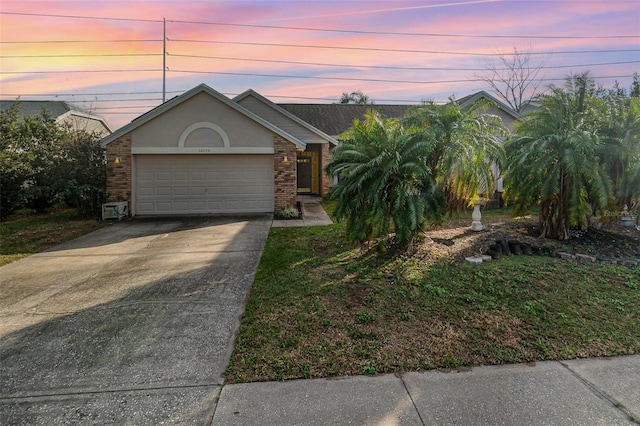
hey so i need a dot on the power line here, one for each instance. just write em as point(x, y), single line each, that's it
point(331, 30)
point(125, 107)
point(403, 33)
point(376, 49)
point(81, 41)
point(92, 94)
point(46, 15)
point(76, 71)
point(313, 77)
point(83, 55)
point(304, 63)
point(391, 67)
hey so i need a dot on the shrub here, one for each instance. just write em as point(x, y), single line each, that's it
point(288, 213)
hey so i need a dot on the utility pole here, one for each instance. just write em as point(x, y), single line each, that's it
point(164, 60)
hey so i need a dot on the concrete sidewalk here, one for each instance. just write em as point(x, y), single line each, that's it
point(602, 391)
point(313, 214)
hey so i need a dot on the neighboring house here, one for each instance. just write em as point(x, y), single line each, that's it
point(203, 153)
point(501, 109)
point(63, 113)
point(508, 117)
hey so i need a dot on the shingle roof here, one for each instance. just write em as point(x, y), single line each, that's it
point(34, 108)
point(334, 119)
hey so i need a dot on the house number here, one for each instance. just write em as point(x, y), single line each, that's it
point(204, 150)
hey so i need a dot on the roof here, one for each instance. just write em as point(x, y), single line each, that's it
point(57, 110)
point(474, 97)
point(202, 88)
point(285, 113)
point(34, 108)
point(335, 119)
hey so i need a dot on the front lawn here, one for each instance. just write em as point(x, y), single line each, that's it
point(320, 307)
point(22, 235)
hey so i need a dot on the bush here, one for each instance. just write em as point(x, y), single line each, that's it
point(288, 213)
point(42, 163)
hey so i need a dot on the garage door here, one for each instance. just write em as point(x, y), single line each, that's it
point(203, 184)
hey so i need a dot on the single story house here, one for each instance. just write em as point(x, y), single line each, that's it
point(204, 153)
point(63, 113)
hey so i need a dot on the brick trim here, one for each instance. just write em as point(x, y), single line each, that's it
point(119, 175)
point(324, 179)
point(284, 174)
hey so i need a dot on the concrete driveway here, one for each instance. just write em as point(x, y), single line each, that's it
point(131, 324)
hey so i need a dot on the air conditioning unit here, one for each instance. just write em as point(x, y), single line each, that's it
point(116, 210)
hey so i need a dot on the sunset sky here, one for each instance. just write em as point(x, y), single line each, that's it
point(106, 56)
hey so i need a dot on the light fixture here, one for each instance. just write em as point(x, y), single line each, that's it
point(116, 161)
point(285, 159)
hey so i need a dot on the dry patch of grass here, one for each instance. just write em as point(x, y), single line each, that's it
point(26, 234)
point(320, 307)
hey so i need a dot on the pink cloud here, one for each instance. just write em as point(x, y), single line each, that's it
point(473, 18)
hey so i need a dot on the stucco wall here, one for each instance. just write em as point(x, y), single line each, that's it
point(164, 131)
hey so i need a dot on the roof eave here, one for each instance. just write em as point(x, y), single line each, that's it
point(161, 109)
point(286, 113)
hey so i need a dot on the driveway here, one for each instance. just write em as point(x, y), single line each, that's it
point(131, 324)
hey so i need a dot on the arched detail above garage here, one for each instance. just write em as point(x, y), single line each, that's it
point(197, 136)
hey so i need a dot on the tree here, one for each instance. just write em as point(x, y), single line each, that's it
point(635, 86)
point(13, 170)
point(384, 181)
point(553, 161)
point(355, 98)
point(463, 143)
point(42, 162)
point(82, 173)
point(513, 78)
point(619, 129)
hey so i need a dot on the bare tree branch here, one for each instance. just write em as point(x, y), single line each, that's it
point(514, 78)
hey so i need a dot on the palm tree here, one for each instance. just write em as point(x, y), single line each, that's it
point(385, 183)
point(355, 98)
point(620, 151)
point(463, 143)
point(553, 162)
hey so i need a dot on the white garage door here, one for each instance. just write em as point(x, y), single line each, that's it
point(203, 184)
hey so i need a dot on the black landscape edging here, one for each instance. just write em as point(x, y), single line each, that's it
point(505, 247)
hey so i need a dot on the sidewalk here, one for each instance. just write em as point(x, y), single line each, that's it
point(313, 214)
point(599, 391)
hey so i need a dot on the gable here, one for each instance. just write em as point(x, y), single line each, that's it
point(286, 121)
point(201, 107)
point(198, 123)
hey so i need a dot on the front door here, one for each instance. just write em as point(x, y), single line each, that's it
point(304, 174)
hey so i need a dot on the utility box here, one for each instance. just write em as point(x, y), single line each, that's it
point(116, 210)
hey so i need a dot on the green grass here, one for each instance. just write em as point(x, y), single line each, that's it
point(320, 307)
point(22, 235)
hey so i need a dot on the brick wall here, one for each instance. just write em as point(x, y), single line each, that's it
point(285, 173)
point(119, 175)
point(324, 160)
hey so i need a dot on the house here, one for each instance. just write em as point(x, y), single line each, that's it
point(204, 153)
point(310, 161)
point(334, 119)
point(63, 113)
point(499, 108)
